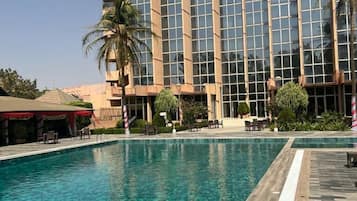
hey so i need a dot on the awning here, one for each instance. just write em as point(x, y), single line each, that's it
point(84, 113)
point(17, 115)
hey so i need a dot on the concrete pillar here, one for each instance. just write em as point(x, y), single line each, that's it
point(245, 48)
point(148, 109)
point(209, 106)
point(158, 69)
point(217, 59)
point(271, 61)
point(301, 42)
point(187, 41)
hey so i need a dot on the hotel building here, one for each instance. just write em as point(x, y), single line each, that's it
point(223, 52)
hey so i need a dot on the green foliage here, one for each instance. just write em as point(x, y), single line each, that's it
point(243, 108)
point(117, 31)
point(193, 110)
point(158, 120)
point(329, 121)
point(292, 96)
point(139, 123)
point(285, 118)
point(15, 85)
point(120, 124)
point(165, 101)
point(81, 104)
point(332, 121)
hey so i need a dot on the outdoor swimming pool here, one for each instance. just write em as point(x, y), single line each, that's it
point(201, 169)
point(345, 142)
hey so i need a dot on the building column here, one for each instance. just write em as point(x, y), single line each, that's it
point(245, 55)
point(301, 45)
point(157, 62)
point(187, 42)
point(271, 56)
point(336, 70)
point(148, 109)
point(217, 58)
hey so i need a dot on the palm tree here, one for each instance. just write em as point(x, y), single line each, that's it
point(116, 38)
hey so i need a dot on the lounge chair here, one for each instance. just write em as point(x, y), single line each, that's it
point(50, 135)
point(248, 126)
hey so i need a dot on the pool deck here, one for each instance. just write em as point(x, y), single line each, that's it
point(323, 174)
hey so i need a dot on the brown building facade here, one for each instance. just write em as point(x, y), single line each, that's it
point(223, 52)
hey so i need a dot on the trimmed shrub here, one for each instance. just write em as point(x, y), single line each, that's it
point(243, 109)
point(120, 124)
point(286, 120)
point(158, 120)
point(139, 123)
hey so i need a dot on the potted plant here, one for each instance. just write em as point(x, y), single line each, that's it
point(243, 109)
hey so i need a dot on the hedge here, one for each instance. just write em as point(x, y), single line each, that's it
point(134, 130)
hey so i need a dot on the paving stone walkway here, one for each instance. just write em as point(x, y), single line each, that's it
point(330, 180)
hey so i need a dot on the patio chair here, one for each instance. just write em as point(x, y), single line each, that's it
point(211, 124)
point(248, 126)
point(351, 159)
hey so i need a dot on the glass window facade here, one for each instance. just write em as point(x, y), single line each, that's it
point(285, 40)
point(245, 38)
point(143, 69)
point(343, 26)
point(202, 43)
point(232, 57)
point(257, 37)
point(317, 39)
point(172, 42)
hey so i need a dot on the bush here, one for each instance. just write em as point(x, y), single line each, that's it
point(188, 117)
point(286, 120)
point(120, 124)
point(286, 116)
point(332, 121)
point(139, 123)
point(158, 120)
point(243, 109)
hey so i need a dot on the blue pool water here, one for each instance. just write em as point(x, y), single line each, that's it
point(330, 142)
point(143, 170)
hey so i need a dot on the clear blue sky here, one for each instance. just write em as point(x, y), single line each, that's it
point(41, 39)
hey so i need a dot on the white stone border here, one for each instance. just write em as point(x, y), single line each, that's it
point(289, 190)
point(45, 151)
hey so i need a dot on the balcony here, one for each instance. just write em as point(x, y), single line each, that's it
point(112, 76)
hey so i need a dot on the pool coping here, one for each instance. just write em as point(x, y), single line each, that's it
point(4, 159)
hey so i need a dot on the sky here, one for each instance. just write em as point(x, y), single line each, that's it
point(42, 40)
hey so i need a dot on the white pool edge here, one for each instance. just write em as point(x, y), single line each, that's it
point(290, 187)
point(45, 151)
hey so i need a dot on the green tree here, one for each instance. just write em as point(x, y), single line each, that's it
point(193, 110)
point(116, 38)
point(15, 85)
point(292, 96)
point(166, 101)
